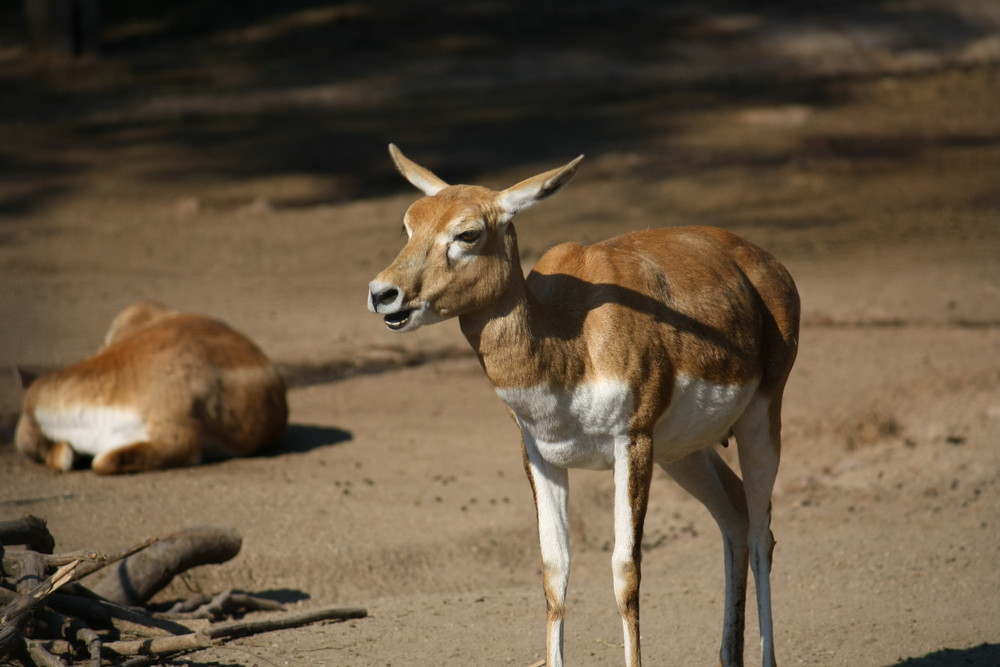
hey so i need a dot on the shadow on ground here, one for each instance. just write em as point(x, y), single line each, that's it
point(984, 655)
point(301, 438)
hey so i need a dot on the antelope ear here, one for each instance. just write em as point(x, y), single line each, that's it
point(24, 378)
point(530, 191)
point(421, 177)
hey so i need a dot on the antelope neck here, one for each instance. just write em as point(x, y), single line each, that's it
point(515, 344)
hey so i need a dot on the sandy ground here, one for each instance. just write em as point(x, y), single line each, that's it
point(237, 166)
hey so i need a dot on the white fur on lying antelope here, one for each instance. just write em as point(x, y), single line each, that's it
point(649, 348)
point(168, 389)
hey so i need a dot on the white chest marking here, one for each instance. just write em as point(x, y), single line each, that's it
point(577, 428)
point(92, 430)
point(573, 428)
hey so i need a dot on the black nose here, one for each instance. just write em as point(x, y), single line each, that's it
point(387, 296)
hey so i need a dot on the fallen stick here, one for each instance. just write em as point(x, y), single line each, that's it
point(99, 561)
point(219, 631)
point(141, 575)
point(28, 530)
point(158, 645)
point(142, 571)
point(23, 604)
point(25, 569)
point(283, 621)
point(223, 604)
point(138, 621)
point(72, 629)
point(31, 564)
point(85, 608)
point(40, 656)
point(13, 614)
point(132, 620)
point(55, 646)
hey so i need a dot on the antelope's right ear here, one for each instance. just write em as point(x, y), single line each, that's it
point(530, 191)
point(422, 178)
point(26, 378)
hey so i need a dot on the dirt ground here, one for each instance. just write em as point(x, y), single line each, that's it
point(236, 165)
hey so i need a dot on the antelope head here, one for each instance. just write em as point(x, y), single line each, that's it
point(461, 249)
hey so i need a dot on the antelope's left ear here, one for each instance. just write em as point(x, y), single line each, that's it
point(24, 378)
point(421, 178)
point(530, 191)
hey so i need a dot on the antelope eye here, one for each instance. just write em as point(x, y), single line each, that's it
point(470, 236)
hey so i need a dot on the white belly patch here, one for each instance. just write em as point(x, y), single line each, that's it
point(573, 428)
point(700, 414)
point(93, 430)
point(576, 428)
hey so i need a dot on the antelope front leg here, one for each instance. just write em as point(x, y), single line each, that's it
point(633, 472)
point(550, 486)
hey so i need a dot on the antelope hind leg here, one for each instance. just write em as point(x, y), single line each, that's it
point(706, 476)
point(759, 444)
point(142, 456)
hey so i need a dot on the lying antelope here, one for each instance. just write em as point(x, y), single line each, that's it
point(651, 347)
point(166, 390)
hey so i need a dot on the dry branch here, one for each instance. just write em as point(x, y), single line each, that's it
point(28, 530)
point(198, 640)
point(219, 606)
point(284, 621)
point(74, 630)
point(158, 645)
point(41, 656)
point(142, 575)
point(13, 614)
point(138, 621)
point(99, 561)
point(104, 614)
point(30, 565)
point(55, 646)
point(16, 610)
point(79, 620)
point(28, 568)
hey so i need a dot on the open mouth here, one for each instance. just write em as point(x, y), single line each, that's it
point(398, 320)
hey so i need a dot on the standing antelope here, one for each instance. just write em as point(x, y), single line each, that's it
point(165, 390)
point(647, 348)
